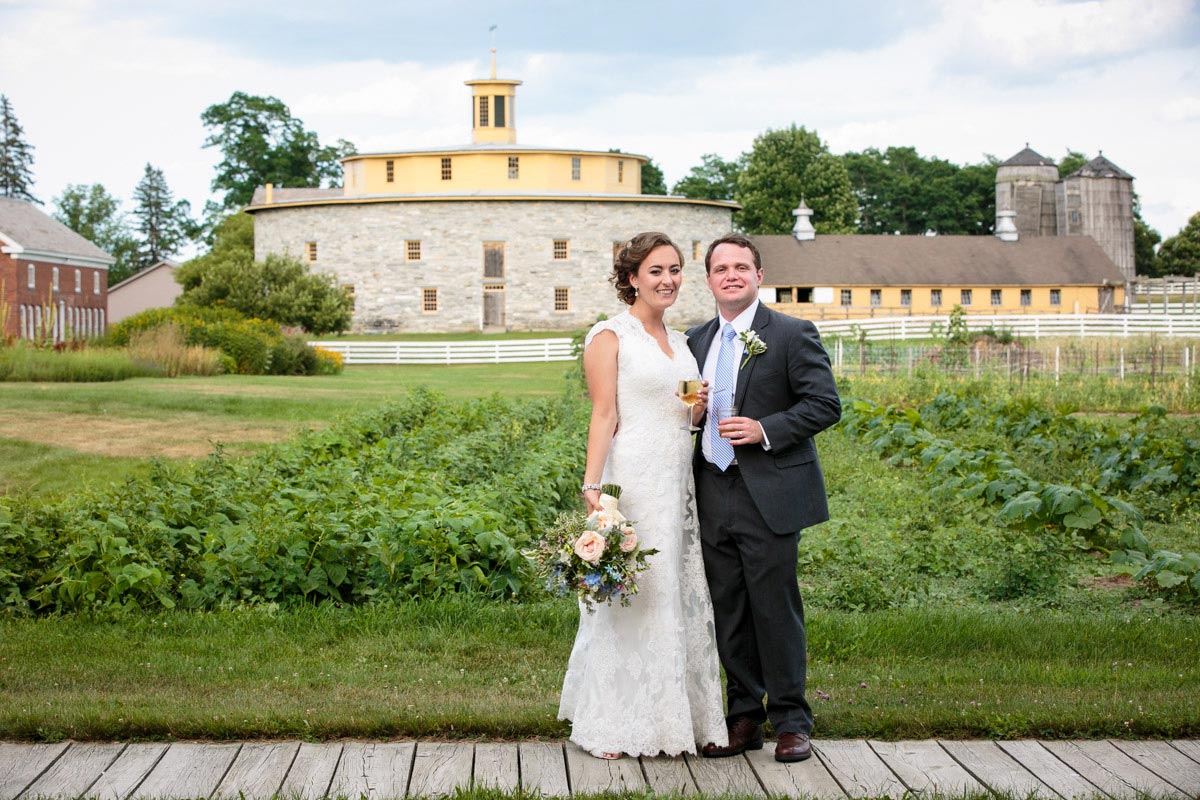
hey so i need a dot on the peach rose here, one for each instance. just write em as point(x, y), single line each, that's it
point(590, 546)
point(629, 540)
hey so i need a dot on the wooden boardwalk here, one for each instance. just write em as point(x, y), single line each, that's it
point(375, 770)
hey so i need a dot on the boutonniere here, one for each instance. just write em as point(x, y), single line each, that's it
point(754, 346)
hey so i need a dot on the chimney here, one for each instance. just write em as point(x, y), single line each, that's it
point(1006, 229)
point(803, 230)
point(270, 187)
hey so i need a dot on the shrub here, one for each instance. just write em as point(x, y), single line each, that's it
point(253, 346)
point(22, 362)
point(164, 349)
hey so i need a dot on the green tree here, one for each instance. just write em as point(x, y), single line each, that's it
point(1145, 238)
point(1180, 255)
point(96, 215)
point(898, 191)
point(713, 179)
point(280, 288)
point(785, 166)
point(16, 156)
point(164, 225)
point(653, 181)
point(1072, 162)
point(261, 142)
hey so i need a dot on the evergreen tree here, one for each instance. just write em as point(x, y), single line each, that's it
point(163, 225)
point(16, 156)
point(96, 215)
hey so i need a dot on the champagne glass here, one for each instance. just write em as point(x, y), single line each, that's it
point(689, 393)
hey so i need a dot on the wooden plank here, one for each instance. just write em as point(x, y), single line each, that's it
point(311, 771)
point(809, 778)
point(996, 769)
point(130, 768)
point(1165, 761)
point(1048, 768)
point(497, 765)
point(440, 767)
point(188, 769)
point(856, 767)
point(543, 769)
point(591, 775)
point(75, 771)
point(731, 775)
point(668, 776)
point(1113, 772)
point(21, 764)
point(1189, 747)
point(373, 770)
point(924, 766)
point(258, 770)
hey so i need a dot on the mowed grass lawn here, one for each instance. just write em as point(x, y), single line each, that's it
point(59, 437)
point(1097, 662)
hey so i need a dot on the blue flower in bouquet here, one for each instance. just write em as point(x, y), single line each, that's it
point(592, 580)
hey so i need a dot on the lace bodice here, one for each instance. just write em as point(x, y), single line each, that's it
point(645, 679)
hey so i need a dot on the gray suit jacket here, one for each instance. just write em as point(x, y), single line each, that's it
point(790, 390)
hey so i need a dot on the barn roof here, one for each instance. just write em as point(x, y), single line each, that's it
point(28, 232)
point(857, 260)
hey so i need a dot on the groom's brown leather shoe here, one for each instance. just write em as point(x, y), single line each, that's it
point(793, 747)
point(744, 734)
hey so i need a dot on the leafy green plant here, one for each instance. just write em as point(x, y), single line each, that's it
point(421, 499)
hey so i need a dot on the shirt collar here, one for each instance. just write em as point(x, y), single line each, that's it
point(743, 321)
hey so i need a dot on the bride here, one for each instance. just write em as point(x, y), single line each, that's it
point(644, 679)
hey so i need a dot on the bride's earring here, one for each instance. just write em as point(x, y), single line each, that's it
point(635, 291)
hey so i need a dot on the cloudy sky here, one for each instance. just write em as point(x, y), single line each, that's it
point(104, 86)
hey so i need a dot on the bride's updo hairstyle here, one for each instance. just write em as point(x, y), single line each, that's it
point(630, 257)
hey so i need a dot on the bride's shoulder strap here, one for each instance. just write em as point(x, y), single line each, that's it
point(616, 325)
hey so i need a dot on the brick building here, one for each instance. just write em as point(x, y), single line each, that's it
point(53, 282)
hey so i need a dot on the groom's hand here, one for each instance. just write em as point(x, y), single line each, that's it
point(741, 430)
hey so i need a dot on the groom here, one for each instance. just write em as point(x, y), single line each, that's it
point(758, 484)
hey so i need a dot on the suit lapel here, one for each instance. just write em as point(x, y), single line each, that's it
point(762, 318)
point(703, 338)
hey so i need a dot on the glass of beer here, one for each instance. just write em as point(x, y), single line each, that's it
point(689, 393)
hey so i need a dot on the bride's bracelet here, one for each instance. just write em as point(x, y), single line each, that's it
point(587, 487)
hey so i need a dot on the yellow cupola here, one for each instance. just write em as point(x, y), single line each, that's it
point(493, 112)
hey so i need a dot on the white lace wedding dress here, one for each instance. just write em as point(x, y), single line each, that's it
point(644, 679)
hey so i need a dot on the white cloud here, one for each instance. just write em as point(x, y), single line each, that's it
point(100, 97)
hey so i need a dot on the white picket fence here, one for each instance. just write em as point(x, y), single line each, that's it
point(499, 351)
point(1023, 325)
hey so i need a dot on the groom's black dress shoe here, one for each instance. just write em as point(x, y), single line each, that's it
point(793, 747)
point(744, 734)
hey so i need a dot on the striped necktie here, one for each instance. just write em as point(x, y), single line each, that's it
point(726, 380)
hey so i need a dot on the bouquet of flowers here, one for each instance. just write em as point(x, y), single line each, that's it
point(596, 557)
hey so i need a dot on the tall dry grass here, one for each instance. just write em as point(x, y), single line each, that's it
point(164, 348)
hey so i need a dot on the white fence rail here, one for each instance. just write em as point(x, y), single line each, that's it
point(1024, 325)
point(499, 351)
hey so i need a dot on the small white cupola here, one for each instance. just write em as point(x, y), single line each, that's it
point(803, 230)
point(1006, 229)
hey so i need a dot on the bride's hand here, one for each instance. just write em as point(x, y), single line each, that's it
point(592, 498)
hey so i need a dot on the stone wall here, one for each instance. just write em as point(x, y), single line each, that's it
point(365, 246)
